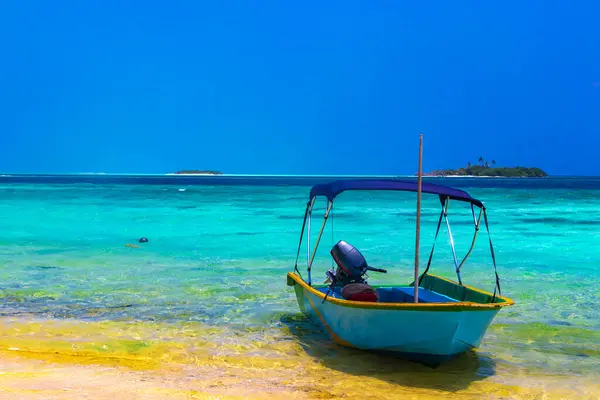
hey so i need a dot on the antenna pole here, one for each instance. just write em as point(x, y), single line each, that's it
point(418, 235)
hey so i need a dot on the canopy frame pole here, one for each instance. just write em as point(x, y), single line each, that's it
point(301, 236)
point(332, 233)
point(312, 258)
point(310, 208)
point(452, 241)
point(418, 227)
point(485, 219)
point(477, 224)
point(437, 231)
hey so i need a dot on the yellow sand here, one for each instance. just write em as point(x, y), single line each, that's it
point(108, 360)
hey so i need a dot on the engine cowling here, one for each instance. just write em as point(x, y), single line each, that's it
point(352, 265)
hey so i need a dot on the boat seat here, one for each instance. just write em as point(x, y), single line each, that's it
point(406, 295)
point(426, 296)
point(392, 295)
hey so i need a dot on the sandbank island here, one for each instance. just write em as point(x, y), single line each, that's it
point(486, 169)
point(197, 172)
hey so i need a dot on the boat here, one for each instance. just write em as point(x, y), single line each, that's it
point(429, 322)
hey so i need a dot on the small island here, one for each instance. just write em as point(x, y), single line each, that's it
point(485, 168)
point(197, 172)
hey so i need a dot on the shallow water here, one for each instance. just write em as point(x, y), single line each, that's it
point(208, 289)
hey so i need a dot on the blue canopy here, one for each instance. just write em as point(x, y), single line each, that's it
point(332, 189)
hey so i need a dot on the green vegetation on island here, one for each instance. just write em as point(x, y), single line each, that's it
point(198, 172)
point(485, 168)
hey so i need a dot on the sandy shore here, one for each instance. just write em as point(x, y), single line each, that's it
point(28, 378)
point(57, 359)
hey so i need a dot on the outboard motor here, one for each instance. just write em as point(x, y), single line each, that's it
point(351, 263)
point(350, 273)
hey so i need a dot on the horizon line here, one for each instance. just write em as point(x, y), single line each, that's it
point(100, 174)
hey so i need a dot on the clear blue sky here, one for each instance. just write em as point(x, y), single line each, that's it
point(298, 87)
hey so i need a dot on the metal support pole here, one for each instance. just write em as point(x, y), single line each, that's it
point(451, 241)
point(308, 242)
point(477, 224)
point(418, 225)
point(314, 253)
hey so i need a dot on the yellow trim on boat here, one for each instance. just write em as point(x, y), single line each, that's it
point(335, 337)
point(293, 278)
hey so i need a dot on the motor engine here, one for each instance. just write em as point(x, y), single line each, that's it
point(351, 273)
point(351, 265)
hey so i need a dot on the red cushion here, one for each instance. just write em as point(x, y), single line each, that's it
point(366, 296)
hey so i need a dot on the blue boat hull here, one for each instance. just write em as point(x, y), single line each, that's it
point(428, 335)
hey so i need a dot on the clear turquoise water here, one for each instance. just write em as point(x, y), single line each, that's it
point(218, 254)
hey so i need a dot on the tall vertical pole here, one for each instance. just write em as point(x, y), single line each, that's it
point(308, 242)
point(418, 235)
